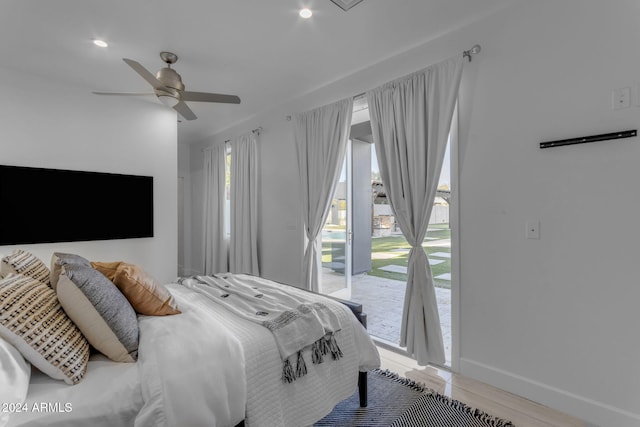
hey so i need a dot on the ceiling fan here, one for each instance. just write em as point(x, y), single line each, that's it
point(168, 87)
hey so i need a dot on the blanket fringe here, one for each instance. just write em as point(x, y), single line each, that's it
point(336, 353)
point(324, 346)
point(288, 375)
point(301, 367)
point(316, 352)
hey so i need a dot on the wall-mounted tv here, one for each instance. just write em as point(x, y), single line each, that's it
point(52, 205)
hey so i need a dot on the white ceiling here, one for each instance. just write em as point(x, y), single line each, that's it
point(260, 50)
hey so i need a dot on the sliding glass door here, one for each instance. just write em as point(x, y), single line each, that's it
point(337, 236)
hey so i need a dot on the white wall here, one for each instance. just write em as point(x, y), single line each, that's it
point(556, 319)
point(184, 201)
point(53, 125)
point(280, 218)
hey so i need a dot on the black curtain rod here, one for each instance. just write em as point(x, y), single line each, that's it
point(256, 131)
point(592, 138)
point(465, 54)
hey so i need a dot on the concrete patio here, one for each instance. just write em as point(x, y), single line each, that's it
point(383, 300)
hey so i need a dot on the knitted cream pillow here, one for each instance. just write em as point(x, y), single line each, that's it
point(25, 263)
point(32, 320)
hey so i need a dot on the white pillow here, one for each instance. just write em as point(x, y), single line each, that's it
point(14, 377)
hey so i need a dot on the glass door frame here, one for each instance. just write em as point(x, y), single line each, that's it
point(345, 291)
point(454, 225)
point(348, 252)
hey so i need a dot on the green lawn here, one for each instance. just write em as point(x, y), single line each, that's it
point(394, 250)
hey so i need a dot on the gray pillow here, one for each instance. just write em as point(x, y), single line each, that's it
point(100, 311)
point(59, 260)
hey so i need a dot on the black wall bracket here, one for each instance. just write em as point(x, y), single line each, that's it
point(592, 138)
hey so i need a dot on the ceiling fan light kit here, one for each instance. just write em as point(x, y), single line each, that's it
point(168, 100)
point(168, 87)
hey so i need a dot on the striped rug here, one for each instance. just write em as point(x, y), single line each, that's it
point(394, 401)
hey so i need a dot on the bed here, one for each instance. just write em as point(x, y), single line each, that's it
point(203, 366)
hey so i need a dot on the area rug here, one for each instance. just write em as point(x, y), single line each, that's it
point(394, 401)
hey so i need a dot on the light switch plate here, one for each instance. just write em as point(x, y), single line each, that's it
point(621, 98)
point(533, 230)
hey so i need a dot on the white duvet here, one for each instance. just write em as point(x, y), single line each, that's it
point(204, 367)
point(191, 368)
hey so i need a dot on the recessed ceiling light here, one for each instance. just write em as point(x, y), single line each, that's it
point(100, 43)
point(305, 13)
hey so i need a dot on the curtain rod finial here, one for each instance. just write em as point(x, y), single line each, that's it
point(475, 49)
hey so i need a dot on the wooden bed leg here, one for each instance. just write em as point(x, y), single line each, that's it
point(362, 388)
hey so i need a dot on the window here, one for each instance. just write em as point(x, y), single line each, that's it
point(227, 195)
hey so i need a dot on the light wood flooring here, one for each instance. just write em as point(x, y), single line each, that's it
point(522, 412)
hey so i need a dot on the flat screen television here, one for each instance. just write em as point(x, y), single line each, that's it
point(52, 205)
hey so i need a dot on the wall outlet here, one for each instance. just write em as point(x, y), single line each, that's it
point(621, 98)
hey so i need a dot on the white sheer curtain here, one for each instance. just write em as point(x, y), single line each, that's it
point(321, 138)
point(215, 246)
point(243, 243)
point(410, 122)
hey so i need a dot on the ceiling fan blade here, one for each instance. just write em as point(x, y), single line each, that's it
point(124, 93)
point(144, 73)
point(184, 111)
point(210, 97)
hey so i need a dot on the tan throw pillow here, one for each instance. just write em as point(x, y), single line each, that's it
point(145, 294)
point(25, 263)
point(101, 312)
point(107, 268)
point(32, 320)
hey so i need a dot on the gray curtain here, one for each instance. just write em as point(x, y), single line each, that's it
point(243, 242)
point(321, 138)
point(215, 245)
point(410, 122)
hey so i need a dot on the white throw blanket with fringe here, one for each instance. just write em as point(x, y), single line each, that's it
point(297, 324)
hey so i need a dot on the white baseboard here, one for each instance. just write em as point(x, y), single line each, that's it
point(593, 412)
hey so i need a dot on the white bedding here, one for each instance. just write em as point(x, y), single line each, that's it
point(204, 367)
point(270, 402)
point(108, 395)
point(191, 369)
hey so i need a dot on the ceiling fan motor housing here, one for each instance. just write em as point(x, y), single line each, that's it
point(171, 81)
